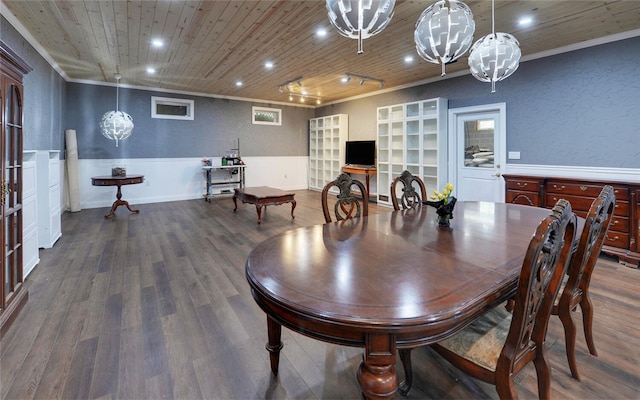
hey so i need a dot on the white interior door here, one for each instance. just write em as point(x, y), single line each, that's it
point(477, 152)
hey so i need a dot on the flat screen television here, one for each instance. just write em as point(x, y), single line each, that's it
point(361, 152)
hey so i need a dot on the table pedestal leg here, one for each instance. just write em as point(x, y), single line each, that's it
point(377, 374)
point(274, 345)
point(119, 202)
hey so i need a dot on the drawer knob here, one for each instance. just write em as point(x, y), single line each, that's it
point(558, 188)
point(583, 188)
point(614, 222)
point(614, 238)
point(521, 184)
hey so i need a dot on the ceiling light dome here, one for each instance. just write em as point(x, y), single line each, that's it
point(116, 125)
point(444, 32)
point(360, 19)
point(494, 58)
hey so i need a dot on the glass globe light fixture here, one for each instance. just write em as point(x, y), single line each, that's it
point(444, 32)
point(494, 57)
point(360, 19)
point(116, 125)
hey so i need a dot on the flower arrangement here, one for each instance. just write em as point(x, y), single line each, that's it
point(446, 194)
point(443, 202)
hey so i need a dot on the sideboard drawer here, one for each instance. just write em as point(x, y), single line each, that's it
point(584, 203)
point(617, 239)
point(524, 198)
point(583, 189)
point(523, 185)
point(619, 224)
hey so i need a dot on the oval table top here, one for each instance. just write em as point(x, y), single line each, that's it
point(396, 271)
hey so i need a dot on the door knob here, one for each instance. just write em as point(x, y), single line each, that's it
point(497, 175)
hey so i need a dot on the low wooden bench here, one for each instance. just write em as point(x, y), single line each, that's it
point(263, 196)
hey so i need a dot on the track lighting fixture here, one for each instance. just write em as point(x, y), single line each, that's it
point(363, 79)
point(285, 87)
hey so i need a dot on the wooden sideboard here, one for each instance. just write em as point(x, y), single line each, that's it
point(623, 237)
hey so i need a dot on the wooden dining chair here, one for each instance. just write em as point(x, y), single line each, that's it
point(410, 198)
point(347, 204)
point(499, 344)
point(575, 287)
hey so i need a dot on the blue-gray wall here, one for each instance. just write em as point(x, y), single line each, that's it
point(216, 128)
point(44, 92)
point(580, 108)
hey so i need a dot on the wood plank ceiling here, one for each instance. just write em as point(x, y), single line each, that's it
point(209, 45)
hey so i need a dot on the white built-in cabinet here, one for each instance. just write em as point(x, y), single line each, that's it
point(413, 137)
point(30, 252)
point(48, 188)
point(327, 138)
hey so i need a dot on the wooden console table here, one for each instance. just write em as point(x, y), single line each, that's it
point(263, 196)
point(117, 181)
point(361, 170)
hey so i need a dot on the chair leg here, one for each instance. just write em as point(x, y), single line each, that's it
point(570, 341)
point(405, 385)
point(543, 372)
point(506, 388)
point(587, 323)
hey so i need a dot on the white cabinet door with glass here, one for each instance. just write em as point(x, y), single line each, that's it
point(412, 136)
point(327, 137)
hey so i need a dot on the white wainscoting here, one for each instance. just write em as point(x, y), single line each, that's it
point(174, 179)
point(588, 173)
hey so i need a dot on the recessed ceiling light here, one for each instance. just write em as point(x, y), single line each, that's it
point(157, 43)
point(408, 59)
point(151, 70)
point(268, 65)
point(525, 21)
point(321, 32)
point(238, 83)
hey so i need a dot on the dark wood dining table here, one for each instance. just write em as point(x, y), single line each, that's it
point(389, 281)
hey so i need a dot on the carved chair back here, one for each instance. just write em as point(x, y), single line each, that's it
point(521, 333)
point(576, 285)
point(410, 198)
point(347, 204)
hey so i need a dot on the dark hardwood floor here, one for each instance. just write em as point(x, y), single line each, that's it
point(156, 306)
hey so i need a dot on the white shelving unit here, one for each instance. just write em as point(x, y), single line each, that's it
point(412, 136)
point(30, 250)
point(48, 188)
point(327, 137)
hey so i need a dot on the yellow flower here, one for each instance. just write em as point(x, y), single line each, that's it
point(445, 195)
point(437, 195)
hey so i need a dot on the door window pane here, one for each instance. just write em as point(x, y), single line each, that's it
point(478, 143)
